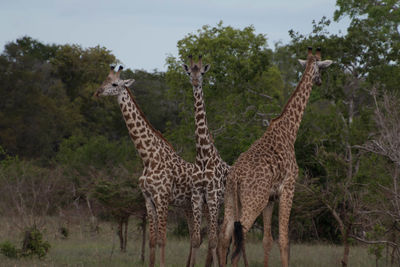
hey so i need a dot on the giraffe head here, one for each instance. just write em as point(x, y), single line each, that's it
point(315, 64)
point(113, 85)
point(196, 71)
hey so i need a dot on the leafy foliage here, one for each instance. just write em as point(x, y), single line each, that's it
point(241, 89)
point(9, 250)
point(33, 244)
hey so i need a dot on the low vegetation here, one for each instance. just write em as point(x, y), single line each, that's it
point(85, 247)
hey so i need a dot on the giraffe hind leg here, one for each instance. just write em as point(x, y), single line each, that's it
point(189, 218)
point(225, 235)
point(267, 240)
point(285, 205)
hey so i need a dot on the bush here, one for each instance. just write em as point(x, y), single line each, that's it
point(9, 250)
point(64, 232)
point(33, 243)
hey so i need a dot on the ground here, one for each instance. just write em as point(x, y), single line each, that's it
point(86, 247)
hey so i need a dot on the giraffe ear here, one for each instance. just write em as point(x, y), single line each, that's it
point(206, 68)
point(128, 82)
point(302, 62)
point(186, 68)
point(324, 64)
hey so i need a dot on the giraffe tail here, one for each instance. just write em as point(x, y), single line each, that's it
point(238, 235)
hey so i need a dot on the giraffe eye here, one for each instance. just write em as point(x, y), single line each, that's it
point(114, 84)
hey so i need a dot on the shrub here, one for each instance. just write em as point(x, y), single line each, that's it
point(9, 250)
point(33, 243)
point(64, 232)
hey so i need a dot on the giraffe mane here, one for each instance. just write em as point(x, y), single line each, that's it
point(157, 132)
point(308, 66)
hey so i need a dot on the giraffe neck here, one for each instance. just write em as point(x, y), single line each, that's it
point(146, 139)
point(204, 143)
point(293, 111)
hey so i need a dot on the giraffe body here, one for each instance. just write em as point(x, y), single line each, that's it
point(166, 178)
point(266, 171)
point(209, 190)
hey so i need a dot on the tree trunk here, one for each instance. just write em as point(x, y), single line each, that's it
point(120, 235)
point(126, 233)
point(143, 236)
point(345, 233)
point(346, 251)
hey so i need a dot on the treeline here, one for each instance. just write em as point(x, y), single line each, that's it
point(348, 145)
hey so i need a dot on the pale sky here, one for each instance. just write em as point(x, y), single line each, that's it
point(143, 33)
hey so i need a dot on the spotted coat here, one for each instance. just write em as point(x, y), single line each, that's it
point(166, 178)
point(268, 171)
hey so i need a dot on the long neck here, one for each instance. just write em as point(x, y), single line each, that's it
point(204, 143)
point(146, 139)
point(292, 113)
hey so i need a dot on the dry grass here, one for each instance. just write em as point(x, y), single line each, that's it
point(84, 247)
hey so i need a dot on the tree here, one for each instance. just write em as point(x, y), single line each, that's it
point(375, 27)
point(35, 112)
point(105, 171)
point(339, 117)
point(242, 90)
point(122, 198)
point(150, 90)
point(30, 193)
point(386, 143)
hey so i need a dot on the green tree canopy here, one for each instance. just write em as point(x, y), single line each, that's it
point(241, 90)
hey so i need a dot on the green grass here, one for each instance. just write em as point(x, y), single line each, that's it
point(86, 248)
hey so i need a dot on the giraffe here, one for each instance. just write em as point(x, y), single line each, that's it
point(268, 171)
point(166, 177)
point(209, 190)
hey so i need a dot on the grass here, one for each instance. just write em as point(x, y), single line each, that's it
point(84, 247)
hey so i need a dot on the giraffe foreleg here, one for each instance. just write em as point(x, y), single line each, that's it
point(209, 258)
point(212, 226)
point(197, 203)
point(162, 214)
point(152, 217)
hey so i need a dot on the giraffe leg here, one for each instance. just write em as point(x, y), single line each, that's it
point(235, 260)
point(189, 218)
point(152, 217)
point(285, 205)
point(209, 258)
point(212, 226)
point(226, 231)
point(225, 240)
point(246, 263)
point(197, 202)
point(162, 214)
point(248, 215)
point(267, 240)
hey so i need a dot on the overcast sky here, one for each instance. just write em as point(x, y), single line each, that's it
point(142, 33)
